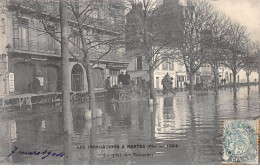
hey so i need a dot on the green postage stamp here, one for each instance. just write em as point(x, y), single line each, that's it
point(241, 142)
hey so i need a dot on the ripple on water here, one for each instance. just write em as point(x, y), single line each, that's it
point(195, 125)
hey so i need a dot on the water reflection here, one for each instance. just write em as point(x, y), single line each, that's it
point(195, 125)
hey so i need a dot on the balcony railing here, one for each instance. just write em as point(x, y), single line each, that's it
point(46, 48)
point(36, 46)
point(46, 6)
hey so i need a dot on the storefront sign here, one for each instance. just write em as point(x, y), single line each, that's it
point(112, 65)
point(11, 82)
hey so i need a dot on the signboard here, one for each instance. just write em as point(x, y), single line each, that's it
point(41, 80)
point(113, 65)
point(11, 82)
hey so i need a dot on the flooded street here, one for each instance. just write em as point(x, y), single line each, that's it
point(177, 131)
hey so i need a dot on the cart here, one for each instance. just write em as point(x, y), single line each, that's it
point(121, 94)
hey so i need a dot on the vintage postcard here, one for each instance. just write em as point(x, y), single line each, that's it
point(129, 82)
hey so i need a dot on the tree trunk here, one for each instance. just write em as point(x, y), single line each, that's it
point(151, 75)
point(234, 81)
point(215, 72)
point(247, 78)
point(259, 80)
point(191, 91)
point(91, 89)
point(67, 116)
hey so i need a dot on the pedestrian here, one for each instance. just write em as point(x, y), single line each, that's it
point(127, 79)
point(144, 87)
point(120, 78)
point(164, 86)
point(224, 81)
point(107, 83)
point(132, 82)
point(139, 85)
point(167, 77)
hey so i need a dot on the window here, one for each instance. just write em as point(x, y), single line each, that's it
point(76, 45)
point(171, 65)
point(3, 25)
point(165, 65)
point(24, 33)
point(94, 14)
point(139, 63)
point(180, 67)
point(49, 39)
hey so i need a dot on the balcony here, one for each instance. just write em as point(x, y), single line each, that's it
point(36, 46)
point(27, 6)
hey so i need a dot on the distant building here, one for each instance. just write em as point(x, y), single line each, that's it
point(33, 54)
point(137, 68)
point(226, 73)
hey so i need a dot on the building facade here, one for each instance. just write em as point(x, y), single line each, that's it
point(137, 68)
point(3, 56)
point(31, 57)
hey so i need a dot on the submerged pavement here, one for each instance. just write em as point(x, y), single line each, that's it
point(177, 131)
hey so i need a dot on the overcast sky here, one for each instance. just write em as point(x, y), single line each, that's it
point(245, 12)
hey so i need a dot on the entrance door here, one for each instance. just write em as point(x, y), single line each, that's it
point(23, 77)
point(52, 79)
point(77, 79)
point(76, 85)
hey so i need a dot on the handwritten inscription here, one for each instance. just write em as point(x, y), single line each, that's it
point(44, 154)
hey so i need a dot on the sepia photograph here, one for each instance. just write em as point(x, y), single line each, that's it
point(129, 82)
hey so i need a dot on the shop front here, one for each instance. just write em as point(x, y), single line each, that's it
point(114, 70)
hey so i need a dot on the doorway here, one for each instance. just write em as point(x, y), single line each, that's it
point(77, 78)
point(23, 77)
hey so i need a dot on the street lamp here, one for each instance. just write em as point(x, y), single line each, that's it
point(8, 47)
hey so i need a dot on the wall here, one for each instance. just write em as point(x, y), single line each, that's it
point(4, 40)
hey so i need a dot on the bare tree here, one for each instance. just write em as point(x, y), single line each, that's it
point(236, 56)
point(191, 44)
point(251, 61)
point(67, 116)
point(85, 32)
point(215, 44)
point(147, 39)
point(255, 52)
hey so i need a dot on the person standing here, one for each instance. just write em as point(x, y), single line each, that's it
point(120, 78)
point(139, 85)
point(107, 83)
point(127, 79)
point(164, 86)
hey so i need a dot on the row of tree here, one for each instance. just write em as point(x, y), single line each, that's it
point(195, 35)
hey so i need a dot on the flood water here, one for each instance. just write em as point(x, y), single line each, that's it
point(192, 129)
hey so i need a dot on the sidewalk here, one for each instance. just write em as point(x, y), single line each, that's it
point(24, 100)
